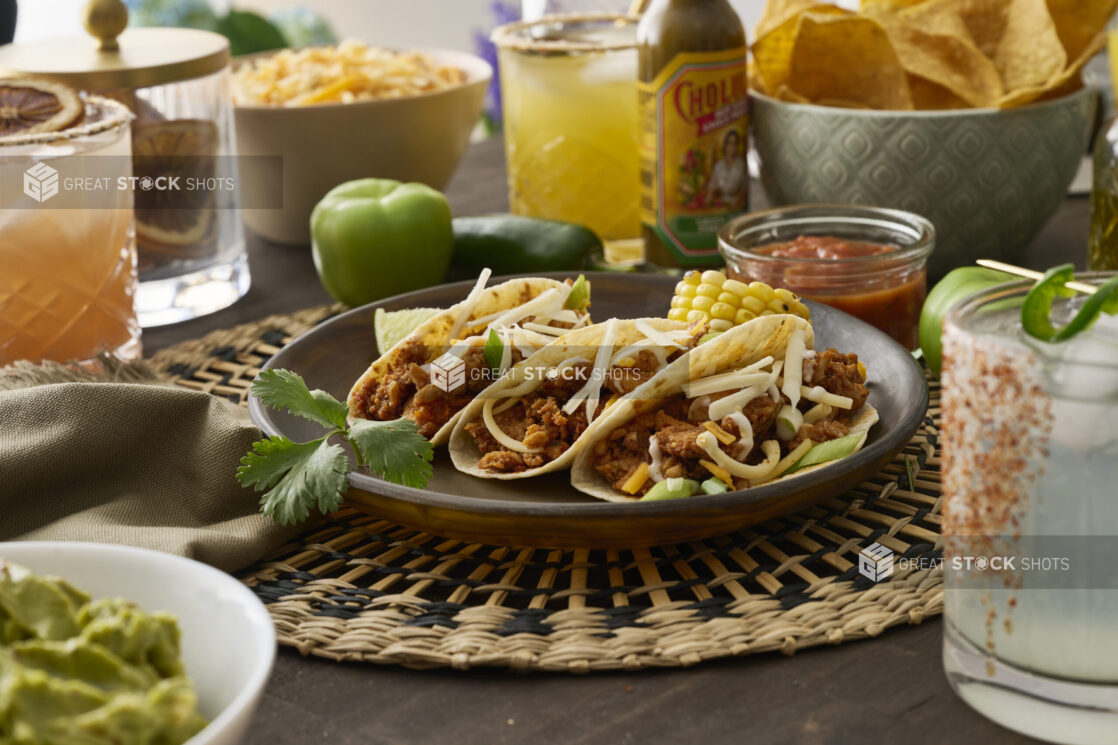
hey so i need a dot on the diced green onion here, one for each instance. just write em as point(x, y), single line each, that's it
point(788, 422)
point(708, 336)
point(1036, 311)
point(579, 296)
point(828, 451)
point(715, 485)
point(671, 489)
point(494, 348)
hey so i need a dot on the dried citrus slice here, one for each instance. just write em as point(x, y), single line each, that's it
point(31, 105)
point(183, 148)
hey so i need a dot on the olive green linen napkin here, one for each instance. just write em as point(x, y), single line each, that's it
point(121, 457)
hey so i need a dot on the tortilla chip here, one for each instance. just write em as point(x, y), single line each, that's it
point(779, 12)
point(929, 96)
point(772, 52)
point(954, 63)
point(1064, 81)
point(985, 20)
point(1030, 51)
point(1078, 23)
point(848, 58)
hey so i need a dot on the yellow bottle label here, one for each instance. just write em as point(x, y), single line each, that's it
point(694, 139)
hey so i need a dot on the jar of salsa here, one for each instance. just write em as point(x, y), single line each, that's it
point(867, 261)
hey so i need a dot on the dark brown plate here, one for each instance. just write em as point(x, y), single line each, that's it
point(547, 511)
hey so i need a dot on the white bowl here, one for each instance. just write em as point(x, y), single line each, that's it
point(228, 642)
point(412, 138)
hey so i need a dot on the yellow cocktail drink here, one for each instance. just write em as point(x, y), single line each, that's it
point(570, 116)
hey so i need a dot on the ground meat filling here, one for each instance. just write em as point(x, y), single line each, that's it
point(620, 453)
point(406, 390)
point(538, 421)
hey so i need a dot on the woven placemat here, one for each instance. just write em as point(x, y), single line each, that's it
point(354, 587)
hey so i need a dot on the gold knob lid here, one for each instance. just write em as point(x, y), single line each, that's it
point(105, 20)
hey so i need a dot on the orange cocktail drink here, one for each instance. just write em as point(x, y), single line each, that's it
point(67, 247)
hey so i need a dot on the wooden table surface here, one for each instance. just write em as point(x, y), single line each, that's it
point(889, 689)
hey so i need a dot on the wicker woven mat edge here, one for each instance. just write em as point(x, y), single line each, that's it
point(357, 588)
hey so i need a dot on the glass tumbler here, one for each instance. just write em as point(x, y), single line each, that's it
point(1030, 464)
point(569, 96)
point(67, 253)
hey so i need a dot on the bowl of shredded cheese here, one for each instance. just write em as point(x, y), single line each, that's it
point(348, 111)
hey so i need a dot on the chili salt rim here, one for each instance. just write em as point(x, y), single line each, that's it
point(115, 113)
point(507, 36)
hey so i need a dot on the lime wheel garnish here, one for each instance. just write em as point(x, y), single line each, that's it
point(31, 106)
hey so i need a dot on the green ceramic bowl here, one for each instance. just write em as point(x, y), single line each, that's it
point(987, 179)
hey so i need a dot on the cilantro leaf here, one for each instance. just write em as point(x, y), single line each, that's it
point(298, 476)
point(394, 450)
point(283, 389)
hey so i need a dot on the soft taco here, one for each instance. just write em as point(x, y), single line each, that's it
point(534, 419)
point(433, 373)
point(753, 405)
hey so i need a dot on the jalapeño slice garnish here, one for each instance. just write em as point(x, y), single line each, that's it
point(1036, 311)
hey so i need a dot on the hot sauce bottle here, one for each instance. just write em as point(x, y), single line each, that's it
point(694, 99)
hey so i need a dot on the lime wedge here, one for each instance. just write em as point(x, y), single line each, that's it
point(392, 326)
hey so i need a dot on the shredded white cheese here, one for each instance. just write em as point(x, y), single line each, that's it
point(660, 337)
point(794, 366)
point(591, 391)
point(734, 402)
point(745, 439)
point(470, 302)
point(498, 434)
point(654, 451)
point(725, 382)
point(820, 395)
point(771, 448)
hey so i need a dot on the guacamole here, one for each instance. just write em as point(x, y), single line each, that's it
point(80, 672)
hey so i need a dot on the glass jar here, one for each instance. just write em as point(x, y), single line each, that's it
point(190, 240)
point(885, 288)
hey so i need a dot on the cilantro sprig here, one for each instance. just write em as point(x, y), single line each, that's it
point(297, 477)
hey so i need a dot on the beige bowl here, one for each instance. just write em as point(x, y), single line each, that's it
point(416, 138)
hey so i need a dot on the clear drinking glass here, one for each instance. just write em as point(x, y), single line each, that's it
point(68, 268)
point(569, 96)
point(1030, 479)
point(190, 242)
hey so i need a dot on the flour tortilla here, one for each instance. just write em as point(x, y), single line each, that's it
point(733, 350)
point(435, 335)
point(737, 347)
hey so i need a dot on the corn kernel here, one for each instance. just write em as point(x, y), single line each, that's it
point(743, 315)
point(787, 296)
point(678, 314)
point(741, 289)
point(719, 324)
point(702, 302)
point(693, 277)
point(729, 298)
point(681, 302)
point(778, 306)
point(724, 311)
point(711, 291)
point(696, 316)
point(761, 291)
point(713, 277)
point(862, 370)
point(686, 291)
point(754, 305)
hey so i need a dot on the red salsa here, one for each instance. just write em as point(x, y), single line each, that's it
point(873, 283)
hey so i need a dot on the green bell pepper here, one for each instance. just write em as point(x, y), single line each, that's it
point(511, 244)
point(373, 238)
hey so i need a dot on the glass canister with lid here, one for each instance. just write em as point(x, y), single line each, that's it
point(189, 237)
